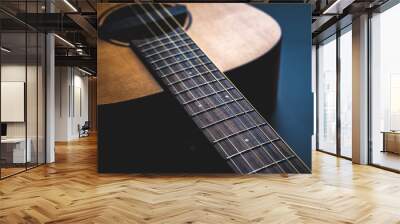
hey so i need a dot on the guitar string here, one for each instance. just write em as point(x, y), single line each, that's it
point(246, 143)
point(275, 162)
point(264, 164)
point(151, 30)
point(178, 24)
point(228, 139)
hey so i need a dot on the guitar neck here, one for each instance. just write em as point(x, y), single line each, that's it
point(227, 119)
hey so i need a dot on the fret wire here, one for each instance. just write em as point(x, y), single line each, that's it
point(190, 77)
point(273, 144)
point(194, 87)
point(221, 104)
point(215, 106)
point(236, 133)
point(172, 55)
point(174, 63)
point(285, 144)
point(253, 147)
point(158, 40)
point(251, 118)
point(182, 70)
point(240, 121)
point(239, 132)
point(196, 100)
point(239, 169)
point(268, 130)
point(258, 126)
point(207, 95)
point(225, 119)
point(184, 43)
point(272, 164)
point(169, 49)
point(195, 67)
point(154, 47)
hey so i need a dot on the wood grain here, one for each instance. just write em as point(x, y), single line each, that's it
point(230, 34)
point(71, 191)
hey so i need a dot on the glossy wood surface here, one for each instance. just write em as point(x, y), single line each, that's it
point(230, 34)
point(71, 191)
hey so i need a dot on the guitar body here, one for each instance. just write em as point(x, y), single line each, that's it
point(136, 116)
point(233, 36)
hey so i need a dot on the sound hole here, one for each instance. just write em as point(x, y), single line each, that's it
point(122, 24)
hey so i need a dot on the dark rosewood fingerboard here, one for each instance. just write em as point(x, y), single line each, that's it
point(239, 133)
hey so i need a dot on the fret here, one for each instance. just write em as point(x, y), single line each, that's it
point(283, 148)
point(244, 140)
point(241, 162)
point(268, 165)
point(259, 135)
point(222, 113)
point(171, 62)
point(189, 88)
point(222, 110)
point(152, 54)
point(231, 106)
point(168, 71)
point(183, 61)
point(171, 38)
point(181, 75)
point(286, 166)
point(259, 147)
point(298, 164)
point(193, 85)
point(203, 98)
point(275, 168)
point(252, 118)
point(229, 148)
point(219, 99)
point(178, 55)
point(251, 134)
point(261, 158)
point(273, 151)
point(170, 66)
point(269, 132)
point(199, 78)
point(168, 44)
point(164, 51)
point(174, 79)
point(222, 132)
point(212, 119)
point(238, 132)
point(257, 159)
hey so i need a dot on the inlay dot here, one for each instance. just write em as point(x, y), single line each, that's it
point(226, 96)
point(199, 105)
point(246, 139)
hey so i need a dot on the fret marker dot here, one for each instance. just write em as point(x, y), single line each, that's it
point(226, 96)
point(246, 139)
point(200, 105)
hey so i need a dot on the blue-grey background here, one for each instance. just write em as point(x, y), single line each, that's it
point(293, 114)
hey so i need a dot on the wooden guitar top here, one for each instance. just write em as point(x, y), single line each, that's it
point(230, 34)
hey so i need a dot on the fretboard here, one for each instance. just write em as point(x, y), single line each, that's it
point(239, 133)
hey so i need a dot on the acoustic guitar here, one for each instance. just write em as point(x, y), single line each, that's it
point(145, 49)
